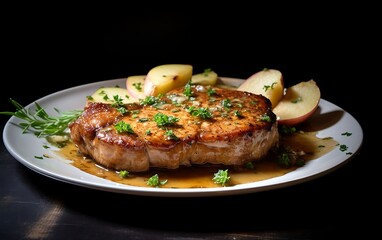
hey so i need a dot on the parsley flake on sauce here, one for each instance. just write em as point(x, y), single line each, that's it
point(154, 181)
point(221, 177)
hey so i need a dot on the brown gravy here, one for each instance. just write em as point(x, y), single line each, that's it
point(201, 176)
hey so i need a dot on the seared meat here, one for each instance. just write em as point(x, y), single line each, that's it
point(204, 125)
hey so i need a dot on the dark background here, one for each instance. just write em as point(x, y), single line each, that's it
point(46, 49)
point(50, 50)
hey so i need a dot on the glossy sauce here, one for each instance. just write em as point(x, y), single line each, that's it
point(201, 176)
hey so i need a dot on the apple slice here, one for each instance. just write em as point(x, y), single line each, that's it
point(108, 94)
point(298, 104)
point(267, 82)
point(135, 85)
point(164, 78)
point(208, 77)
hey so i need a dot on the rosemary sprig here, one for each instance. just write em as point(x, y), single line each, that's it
point(39, 121)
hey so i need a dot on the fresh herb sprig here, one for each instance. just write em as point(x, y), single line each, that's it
point(40, 122)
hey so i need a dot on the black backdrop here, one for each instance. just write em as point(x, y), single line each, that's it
point(65, 47)
point(46, 49)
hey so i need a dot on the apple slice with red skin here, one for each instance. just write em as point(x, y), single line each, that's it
point(135, 86)
point(163, 78)
point(108, 94)
point(298, 104)
point(267, 82)
point(208, 77)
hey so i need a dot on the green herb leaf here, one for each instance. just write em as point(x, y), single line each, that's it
point(203, 113)
point(170, 135)
point(124, 173)
point(122, 126)
point(221, 177)
point(165, 120)
point(40, 122)
point(187, 90)
point(154, 181)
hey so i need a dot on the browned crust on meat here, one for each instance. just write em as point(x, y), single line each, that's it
point(241, 130)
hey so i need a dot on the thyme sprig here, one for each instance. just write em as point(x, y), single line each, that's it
point(40, 122)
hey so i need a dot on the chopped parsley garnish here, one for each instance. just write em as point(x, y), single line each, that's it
point(151, 100)
point(238, 114)
point(283, 129)
point(284, 160)
point(346, 134)
point(265, 118)
point(106, 98)
point(123, 173)
point(154, 181)
point(118, 101)
point(122, 110)
point(267, 87)
point(221, 177)
point(289, 159)
point(165, 120)
point(122, 127)
point(211, 91)
point(203, 113)
point(299, 99)
point(138, 86)
point(170, 135)
point(249, 165)
point(226, 103)
point(188, 90)
point(343, 147)
point(207, 71)
point(118, 104)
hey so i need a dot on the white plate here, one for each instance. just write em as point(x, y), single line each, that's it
point(331, 121)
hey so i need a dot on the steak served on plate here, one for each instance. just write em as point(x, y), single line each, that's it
point(192, 125)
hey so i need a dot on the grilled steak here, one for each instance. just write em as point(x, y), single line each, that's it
point(187, 126)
